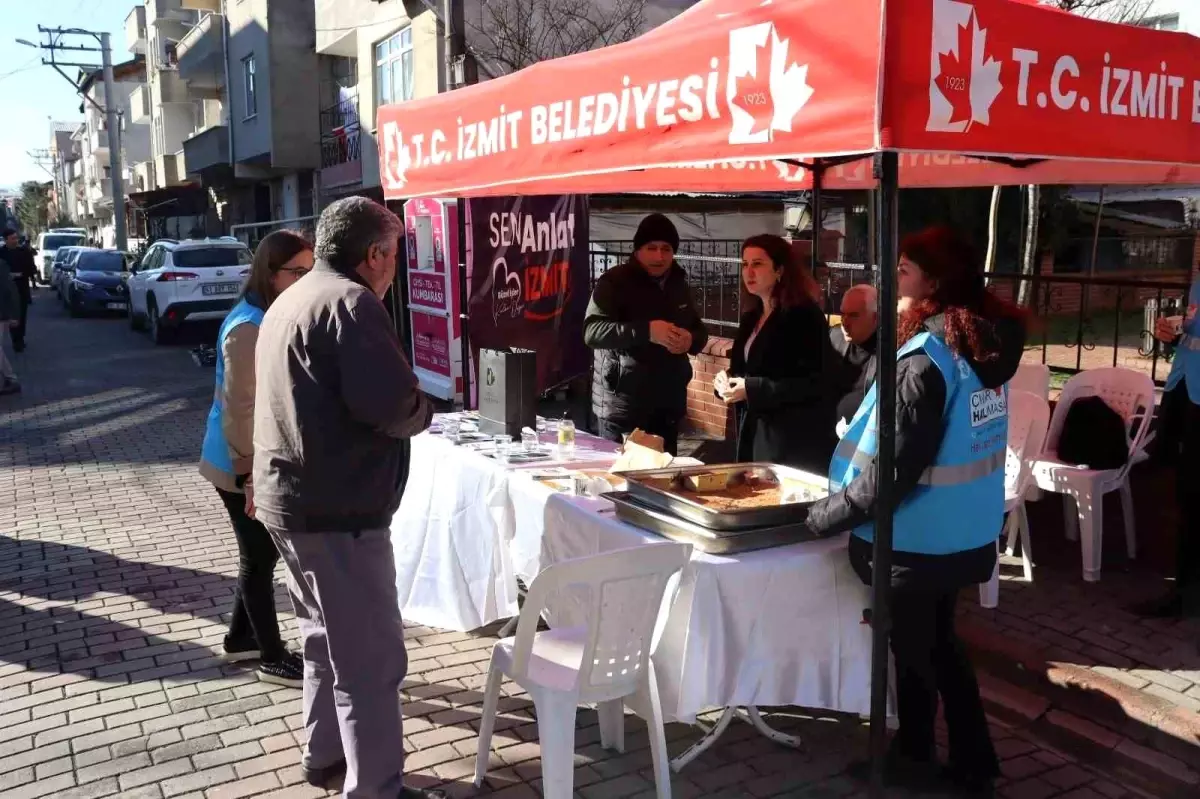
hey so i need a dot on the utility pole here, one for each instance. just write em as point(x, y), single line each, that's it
point(53, 45)
point(460, 71)
point(113, 123)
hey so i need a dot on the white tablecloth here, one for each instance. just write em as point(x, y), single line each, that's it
point(774, 627)
point(456, 525)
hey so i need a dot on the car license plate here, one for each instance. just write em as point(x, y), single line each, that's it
point(221, 288)
point(115, 306)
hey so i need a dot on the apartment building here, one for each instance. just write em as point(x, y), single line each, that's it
point(1167, 15)
point(377, 52)
point(64, 154)
point(95, 140)
point(232, 103)
point(372, 53)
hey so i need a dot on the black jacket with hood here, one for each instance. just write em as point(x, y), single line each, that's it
point(920, 398)
point(635, 375)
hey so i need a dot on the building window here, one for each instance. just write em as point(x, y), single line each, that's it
point(250, 82)
point(1166, 22)
point(394, 68)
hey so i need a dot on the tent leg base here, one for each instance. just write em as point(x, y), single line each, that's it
point(751, 716)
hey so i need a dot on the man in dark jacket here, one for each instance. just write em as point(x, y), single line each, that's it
point(336, 403)
point(643, 324)
point(854, 342)
point(21, 264)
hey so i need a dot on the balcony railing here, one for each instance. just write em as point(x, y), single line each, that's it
point(135, 30)
point(341, 143)
point(200, 53)
point(139, 105)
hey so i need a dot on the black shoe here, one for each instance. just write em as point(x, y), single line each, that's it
point(18, 346)
point(421, 793)
point(10, 387)
point(237, 652)
point(288, 670)
point(1167, 606)
point(327, 778)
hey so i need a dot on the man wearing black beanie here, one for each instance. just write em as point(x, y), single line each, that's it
point(643, 323)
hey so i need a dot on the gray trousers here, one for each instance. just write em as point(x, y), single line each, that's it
point(6, 353)
point(343, 588)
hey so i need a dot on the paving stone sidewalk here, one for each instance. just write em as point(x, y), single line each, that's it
point(116, 574)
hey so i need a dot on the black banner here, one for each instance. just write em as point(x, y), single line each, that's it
point(527, 270)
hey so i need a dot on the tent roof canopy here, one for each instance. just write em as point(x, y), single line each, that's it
point(747, 95)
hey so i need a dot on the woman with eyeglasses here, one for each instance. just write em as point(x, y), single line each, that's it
point(227, 459)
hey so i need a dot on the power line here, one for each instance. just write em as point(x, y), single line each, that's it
point(32, 64)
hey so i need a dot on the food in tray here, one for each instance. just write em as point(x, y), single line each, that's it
point(706, 482)
point(724, 490)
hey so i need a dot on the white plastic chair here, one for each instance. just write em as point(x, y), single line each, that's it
point(1032, 377)
point(602, 662)
point(1131, 394)
point(1028, 419)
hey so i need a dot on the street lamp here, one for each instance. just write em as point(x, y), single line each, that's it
point(28, 43)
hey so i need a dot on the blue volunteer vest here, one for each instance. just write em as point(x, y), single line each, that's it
point(958, 504)
point(216, 449)
point(1186, 365)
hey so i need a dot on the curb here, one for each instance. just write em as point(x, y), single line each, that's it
point(1137, 737)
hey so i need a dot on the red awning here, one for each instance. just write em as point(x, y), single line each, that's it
point(739, 95)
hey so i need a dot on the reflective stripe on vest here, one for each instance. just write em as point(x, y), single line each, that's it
point(962, 472)
point(215, 449)
point(958, 502)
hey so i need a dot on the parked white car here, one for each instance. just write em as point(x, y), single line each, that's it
point(50, 242)
point(186, 281)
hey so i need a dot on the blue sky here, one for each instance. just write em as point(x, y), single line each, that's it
point(30, 93)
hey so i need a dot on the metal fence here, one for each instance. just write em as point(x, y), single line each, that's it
point(253, 232)
point(1167, 252)
point(714, 272)
point(1077, 322)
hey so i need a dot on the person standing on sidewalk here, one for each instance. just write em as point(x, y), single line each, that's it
point(644, 324)
point(1180, 447)
point(337, 403)
point(227, 458)
point(959, 345)
point(23, 269)
point(10, 314)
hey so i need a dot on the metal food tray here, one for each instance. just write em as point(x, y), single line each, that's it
point(714, 542)
point(684, 508)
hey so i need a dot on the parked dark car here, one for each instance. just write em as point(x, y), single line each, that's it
point(96, 283)
point(60, 271)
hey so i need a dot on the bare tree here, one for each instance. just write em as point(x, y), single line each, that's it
point(1108, 10)
point(509, 35)
point(1127, 11)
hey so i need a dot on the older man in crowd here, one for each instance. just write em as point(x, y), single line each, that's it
point(336, 406)
point(854, 342)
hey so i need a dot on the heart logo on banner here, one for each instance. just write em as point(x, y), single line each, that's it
point(506, 292)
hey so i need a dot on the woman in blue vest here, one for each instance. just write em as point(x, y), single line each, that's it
point(227, 459)
point(1180, 447)
point(959, 345)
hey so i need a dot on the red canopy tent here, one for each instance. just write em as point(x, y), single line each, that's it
point(741, 95)
point(784, 94)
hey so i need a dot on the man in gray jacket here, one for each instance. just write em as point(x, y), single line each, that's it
point(336, 403)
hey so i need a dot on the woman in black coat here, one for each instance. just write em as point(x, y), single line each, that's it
point(777, 374)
